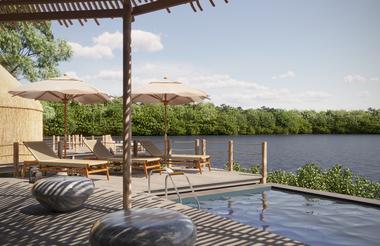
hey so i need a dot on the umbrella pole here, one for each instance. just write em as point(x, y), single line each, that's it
point(127, 106)
point(65, 126)
point(165, 131)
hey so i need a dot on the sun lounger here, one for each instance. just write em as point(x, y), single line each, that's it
point(112, 144)
point(49, 161)
point(102, 153)
point(198, 161)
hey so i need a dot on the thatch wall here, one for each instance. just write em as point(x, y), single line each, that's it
point(20, 119)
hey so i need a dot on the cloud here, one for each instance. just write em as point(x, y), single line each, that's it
point(95, 52)
point(105, 43)
point(287, 75)
point(226, 89)
point(112, 40)
point(146, 41)
point(357, 78)
point(351, 78)
point(314, 95)
point(222, 88)
point(110, 75)
point(364, 94)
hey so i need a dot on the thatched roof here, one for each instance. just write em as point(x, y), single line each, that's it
point(8, 82)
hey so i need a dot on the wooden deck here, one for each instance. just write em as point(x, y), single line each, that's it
point(24, 222)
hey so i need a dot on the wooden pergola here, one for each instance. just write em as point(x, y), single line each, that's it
point(67, 11)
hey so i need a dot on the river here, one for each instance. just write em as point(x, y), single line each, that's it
point(360, 153)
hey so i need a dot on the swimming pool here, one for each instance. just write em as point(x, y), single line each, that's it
point(310, 219)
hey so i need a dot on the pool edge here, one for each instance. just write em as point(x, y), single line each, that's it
point(337, 196)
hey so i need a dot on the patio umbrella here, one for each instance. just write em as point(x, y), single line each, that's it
point(168, 93)
point(61, 89)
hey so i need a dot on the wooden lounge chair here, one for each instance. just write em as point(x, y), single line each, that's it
point(112, 144)
point(47, 160)
point(102, 153)
point(198, 161)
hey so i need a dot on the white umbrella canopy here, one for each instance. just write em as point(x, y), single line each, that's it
point(168, 93)
point(62, 89)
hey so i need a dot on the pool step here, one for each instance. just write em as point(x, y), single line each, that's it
point(202, 187)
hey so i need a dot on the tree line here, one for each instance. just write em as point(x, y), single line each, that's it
point(207, 119)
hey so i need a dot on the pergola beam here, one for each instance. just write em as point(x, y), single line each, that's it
point(67, 10)
point(27, 2)
point(157, 5)
point(62, 15)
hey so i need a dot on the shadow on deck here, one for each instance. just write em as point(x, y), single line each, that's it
point(24, 222)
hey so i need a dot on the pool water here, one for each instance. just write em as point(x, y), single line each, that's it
point(310, 219)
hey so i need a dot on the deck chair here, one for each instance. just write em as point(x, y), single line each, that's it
point(47, 160)
point(111, 144)
point(102, 153)
point(198, 161)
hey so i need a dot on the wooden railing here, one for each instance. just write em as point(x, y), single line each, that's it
point(200, 146)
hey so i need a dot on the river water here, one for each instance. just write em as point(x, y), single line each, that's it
point(360, 153)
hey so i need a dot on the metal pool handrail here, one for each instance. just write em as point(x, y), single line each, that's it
point(170, 173)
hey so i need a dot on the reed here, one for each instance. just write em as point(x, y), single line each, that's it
point(20, 119)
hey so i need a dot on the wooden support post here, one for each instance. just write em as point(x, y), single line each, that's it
point(60, 149)
point(169, 145)
point(69, 142)
point(80, 140)
point(127, 105)
point(230, 155)
point(196, 146)
point(92, 137)
point(16, 158)
point(75, 143)
point(53, 142)
point(203, 146)
point(169, 152)
point(264, 156)
point(135, 148)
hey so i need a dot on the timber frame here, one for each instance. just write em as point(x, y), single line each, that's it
point(65, 11)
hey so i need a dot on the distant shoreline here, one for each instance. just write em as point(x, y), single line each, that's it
point(207, 119)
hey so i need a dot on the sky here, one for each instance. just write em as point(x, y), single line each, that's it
point(291, 54)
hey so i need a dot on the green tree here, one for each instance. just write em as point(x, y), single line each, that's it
point(30, 50)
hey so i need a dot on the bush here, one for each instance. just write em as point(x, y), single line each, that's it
point(340, 180)
point(282, 177)
point(337, 179)
point(310, 176)
point(255, 169)
point(237, 167)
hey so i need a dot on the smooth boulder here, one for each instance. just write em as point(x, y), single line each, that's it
point(62, 193)
point(143, 226)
